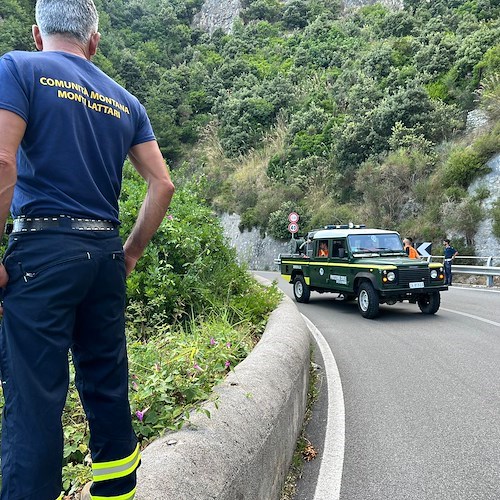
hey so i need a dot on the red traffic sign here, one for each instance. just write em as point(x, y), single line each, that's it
point(293, 217)
point(293, 227)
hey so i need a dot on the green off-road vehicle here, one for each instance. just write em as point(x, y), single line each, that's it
point(368, 264)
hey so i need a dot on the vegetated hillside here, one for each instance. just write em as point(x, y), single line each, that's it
point(340, 116)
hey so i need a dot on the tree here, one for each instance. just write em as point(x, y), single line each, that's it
point(295, 14)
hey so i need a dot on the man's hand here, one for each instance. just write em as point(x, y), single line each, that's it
point(4, 279)
point(130, 263)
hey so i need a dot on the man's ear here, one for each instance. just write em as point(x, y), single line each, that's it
point(35, 31)
point(94, 43)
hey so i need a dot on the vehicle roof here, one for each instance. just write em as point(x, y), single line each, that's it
point(324, 234)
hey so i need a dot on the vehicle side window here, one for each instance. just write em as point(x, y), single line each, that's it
point(338, 249)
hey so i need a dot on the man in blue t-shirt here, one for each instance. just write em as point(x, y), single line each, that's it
point(66, 129)
point(449, 255)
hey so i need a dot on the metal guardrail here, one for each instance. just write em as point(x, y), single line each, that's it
point(489, 270)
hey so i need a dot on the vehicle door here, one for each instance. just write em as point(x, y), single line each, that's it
point(338, 269)
point(319, 264)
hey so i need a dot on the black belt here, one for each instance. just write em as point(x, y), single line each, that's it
point(32, 224)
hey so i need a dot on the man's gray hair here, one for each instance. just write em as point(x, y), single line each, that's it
point(76, 18)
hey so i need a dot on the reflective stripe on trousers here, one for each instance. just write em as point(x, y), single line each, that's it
point(116, 468)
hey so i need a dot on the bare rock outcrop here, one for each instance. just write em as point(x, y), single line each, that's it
point(217, 14)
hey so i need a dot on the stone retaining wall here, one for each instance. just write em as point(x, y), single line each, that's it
point(243, 451)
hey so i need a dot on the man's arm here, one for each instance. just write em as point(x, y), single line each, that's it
point(149, 162)
point(12, 127)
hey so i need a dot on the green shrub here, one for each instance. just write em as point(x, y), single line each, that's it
point(463, 217)
point(185, 266)
point(462, 167)
point(487, 144)
point(455, 193)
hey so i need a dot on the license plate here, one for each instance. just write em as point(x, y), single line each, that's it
point(417, 284)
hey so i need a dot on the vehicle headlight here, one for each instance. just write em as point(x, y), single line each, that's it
point(391, 275)
point(434, 274)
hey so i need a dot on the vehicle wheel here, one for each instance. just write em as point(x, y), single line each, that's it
point(429, 303)
point(368, 303)
point(301, 290)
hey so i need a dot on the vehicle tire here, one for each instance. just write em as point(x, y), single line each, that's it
point(429, 303)
point(368, 303)
point(301, 291)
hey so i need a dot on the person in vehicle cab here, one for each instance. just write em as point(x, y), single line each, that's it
point(409, 249)
point(323, 249)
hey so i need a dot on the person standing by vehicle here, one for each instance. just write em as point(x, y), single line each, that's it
point(449, 255)
point(410, 249)
point(64, 270)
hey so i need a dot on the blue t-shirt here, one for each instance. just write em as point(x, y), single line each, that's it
point(80, 127)
point(449, 252)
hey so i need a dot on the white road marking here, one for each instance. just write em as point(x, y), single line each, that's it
point(494, 323)
point(332, 458)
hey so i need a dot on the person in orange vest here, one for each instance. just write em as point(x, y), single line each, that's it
point(323, 249)
point(409, 249)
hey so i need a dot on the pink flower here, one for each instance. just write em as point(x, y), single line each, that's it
point(228, 344)
point(227, 364)
point(170, 217)
point(198, 367)
point(140, 414)
point(212, 341)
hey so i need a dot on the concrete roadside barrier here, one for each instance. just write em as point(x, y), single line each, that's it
point(243, 451)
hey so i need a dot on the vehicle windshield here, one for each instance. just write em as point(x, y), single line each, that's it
point(375, 243)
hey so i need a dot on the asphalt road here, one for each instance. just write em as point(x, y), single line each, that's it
point(421, 397)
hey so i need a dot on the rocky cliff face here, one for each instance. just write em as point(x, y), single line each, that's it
point(216, 14)
point(221, 14)
point(259, 253)
point(391, 4)
point(486, 244)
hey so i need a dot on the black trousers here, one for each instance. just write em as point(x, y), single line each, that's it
point(447, 272)
point(66, 290)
